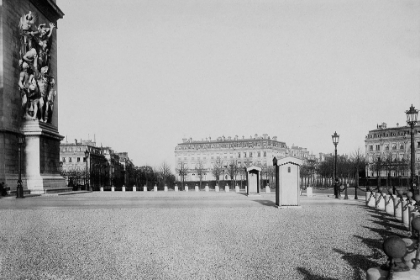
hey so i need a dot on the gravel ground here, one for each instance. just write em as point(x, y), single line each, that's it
point(189, 236)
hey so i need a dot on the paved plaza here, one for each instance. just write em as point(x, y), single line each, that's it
point(169, 235)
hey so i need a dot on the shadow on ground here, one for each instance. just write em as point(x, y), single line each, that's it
point(309, 276)
point(268, 203)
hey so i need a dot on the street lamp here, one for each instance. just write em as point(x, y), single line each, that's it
point(411, 121)
point(86, 174)
point(335, 138)
point(19, 188)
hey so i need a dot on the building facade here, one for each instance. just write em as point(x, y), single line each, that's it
point(388, 151)
point(198, 158)
point(101, 167)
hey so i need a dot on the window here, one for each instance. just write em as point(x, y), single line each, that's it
point(239, 155)
point(370, 147)
point(401, 147)
point(378, 147)
point(259, 154)
point(69, 159)
point(265, 154)
point(394, 146)
point(78, 159)
point(244, 154)
point(250, 154)
point(64, 159)
point(418, 144)
point(387, 148)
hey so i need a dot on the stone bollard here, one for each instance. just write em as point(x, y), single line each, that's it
point(206, 188)
point(380, 200)
point(101, 188)
point(406, 213)
point(144, 188)
point(155, 188)
point(237, 189)
point(112, 189)
point(226, 188)
point(134, 188)
point(123, 188)
point(176, 188)
point(398, 209)
point(389, 204)
point(216, 188)
point(186, 188)
point(267, 189)
point(197, 189)
point(246, 188)
point(371, 200)
point(309, 191)
point(165, 188)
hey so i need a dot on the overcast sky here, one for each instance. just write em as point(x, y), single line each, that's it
point(141, 75)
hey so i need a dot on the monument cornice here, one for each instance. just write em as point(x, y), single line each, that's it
point(49, 9)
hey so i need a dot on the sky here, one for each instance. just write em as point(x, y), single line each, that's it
point(141, 75)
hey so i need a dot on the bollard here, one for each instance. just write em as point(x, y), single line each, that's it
point(380, 200)
point(123, 188)
point(197, 189)
point(237, 189)
point(186, 188)
point(226, 188)
point(134, 188)
point(206, 188)
point(102, 188)
point(216, 188)
point(309, 191)
point(165, 188)
point(398, 205)
point(176, 188)
point(370, 199)
point(267, 189)
point(144, 188)
point(155, 188)
point(405, 214)
point(112, 189)
point(389, 204)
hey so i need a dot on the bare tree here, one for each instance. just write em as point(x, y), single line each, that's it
point(217, 169)
point(199, 169)
point(165, 171)
point(359, 163)
point(182, 171)
point(233, 171)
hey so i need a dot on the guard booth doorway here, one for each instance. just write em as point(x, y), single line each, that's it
point(253, 180)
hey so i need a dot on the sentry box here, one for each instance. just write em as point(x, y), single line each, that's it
point(253, 180)
point(287, 182)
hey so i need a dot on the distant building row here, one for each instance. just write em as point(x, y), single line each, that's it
point(83, 164)
point(193, 155)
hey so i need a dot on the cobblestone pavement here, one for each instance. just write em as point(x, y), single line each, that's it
point(189, 236)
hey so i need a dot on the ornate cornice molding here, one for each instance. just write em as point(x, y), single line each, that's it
point(49, 9)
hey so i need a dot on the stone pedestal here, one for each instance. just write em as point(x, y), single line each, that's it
point(237, 189)
point(398, 208)
point(176, 188)
point(155, 188)
point(405, 214)
point(123, 188)
point(186, 188)
point(41, 161)
point(134, 188)
point(101, 189)
point(267, 189)
point(112, 189)
point(206, 188)
point(197, 189)
point(216, 188)
point(226, 188)
point(309, 191)
point(246, 188)
point(144, 188)
point(165, 188)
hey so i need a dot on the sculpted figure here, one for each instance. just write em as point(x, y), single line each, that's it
point(24, 83)
point(28, 31)
point(43, 43)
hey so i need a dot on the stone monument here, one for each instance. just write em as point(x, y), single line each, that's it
point(29, 96)
point(253, 180)
point(287, 172)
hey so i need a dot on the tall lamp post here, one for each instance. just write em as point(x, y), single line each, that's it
point(19, 188)
point(411, 121)
point(335, 138)
point(87, 169)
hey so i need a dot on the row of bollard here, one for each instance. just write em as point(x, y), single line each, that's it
point(206, 188)
point(403, 253)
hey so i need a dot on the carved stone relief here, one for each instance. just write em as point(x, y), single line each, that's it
point(36, 86)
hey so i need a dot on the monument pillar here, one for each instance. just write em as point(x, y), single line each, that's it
point(28, 94)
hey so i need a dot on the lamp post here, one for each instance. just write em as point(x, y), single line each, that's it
point(19, 188)
point(411, 121)
point(335, 138)
point(87, 170)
